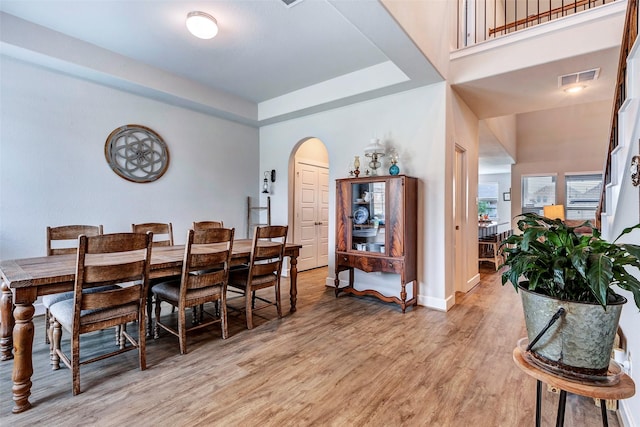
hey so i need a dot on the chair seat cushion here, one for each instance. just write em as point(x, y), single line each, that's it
point(170, 291)
point(239, 279)
point(49, 300)
point(63, 313)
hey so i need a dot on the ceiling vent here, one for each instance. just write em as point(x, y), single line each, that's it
point(579, 77)
point(291, 3)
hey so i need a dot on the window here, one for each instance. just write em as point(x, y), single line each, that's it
point(488, 199)
point(538, 191)
point(583, 196)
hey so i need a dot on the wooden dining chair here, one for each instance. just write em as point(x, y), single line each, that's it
point(162, 232)
point(205, 225)
point(264, 269)
point(121, 258)
point(162, 236)
point(63, 240)
point(205, 273)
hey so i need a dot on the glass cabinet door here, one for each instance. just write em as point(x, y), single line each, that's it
point(368, 224)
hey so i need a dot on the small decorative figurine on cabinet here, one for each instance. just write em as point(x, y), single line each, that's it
point(394, 169)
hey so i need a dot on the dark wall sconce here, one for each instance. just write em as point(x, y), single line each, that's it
point(265, 182)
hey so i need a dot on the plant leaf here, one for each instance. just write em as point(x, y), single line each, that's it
point(599, 276)
point(632, 285)
point(632, 249)
point(627, 231)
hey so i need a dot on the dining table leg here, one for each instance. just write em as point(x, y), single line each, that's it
point(293, 272)
point(6, 323)
point(23, 349)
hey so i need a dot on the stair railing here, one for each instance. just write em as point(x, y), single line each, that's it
point(629, 35)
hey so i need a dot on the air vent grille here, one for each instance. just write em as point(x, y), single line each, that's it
point(291, 3)
point(579, 77)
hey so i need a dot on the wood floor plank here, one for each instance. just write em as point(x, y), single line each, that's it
point(347, 361)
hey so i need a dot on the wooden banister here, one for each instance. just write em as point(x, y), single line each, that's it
point(629, 35)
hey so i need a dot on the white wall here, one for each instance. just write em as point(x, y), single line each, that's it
point(412, 121)
point(53, 170)
point(504, 207)
point(626, 214)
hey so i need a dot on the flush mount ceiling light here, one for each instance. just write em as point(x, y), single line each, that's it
point(575, 89)
point(202, 25)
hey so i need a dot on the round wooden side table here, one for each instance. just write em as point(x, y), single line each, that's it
point(625, 388)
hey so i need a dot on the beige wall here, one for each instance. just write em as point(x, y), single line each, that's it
point(428, 25)
point(314, 149)
point(504, 129)
point(462, 130)
point(568, 140)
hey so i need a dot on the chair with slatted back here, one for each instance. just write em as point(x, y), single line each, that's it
point(489, 248)
point(205, 225)
point(198, 226)
point(162, 232)
point(121, 258)
point(63, 240)
point(264, 269)
point(162, 236)
point(205, 272)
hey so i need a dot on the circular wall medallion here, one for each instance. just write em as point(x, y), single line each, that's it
point(136, 153)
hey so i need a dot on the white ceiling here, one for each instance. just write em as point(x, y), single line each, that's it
point(266, 51)
point(263, 50)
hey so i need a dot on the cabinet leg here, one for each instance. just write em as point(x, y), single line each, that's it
point(336, 283)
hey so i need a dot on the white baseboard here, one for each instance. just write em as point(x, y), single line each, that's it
point(472, 282)
point(624, 416)
point(440, 304)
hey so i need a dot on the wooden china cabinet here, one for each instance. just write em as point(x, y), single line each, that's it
point(376, 230)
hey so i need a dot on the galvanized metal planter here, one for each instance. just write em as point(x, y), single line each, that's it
point(580, 342)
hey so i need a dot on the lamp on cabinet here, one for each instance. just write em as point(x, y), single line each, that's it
point(375, 151)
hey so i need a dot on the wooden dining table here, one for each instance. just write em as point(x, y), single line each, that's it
point(23, 280)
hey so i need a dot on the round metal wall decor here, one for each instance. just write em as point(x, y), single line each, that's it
point(137, 153)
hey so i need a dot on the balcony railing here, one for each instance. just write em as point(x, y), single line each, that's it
point(481, 20)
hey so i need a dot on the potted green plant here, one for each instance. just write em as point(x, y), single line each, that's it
point(568, 276)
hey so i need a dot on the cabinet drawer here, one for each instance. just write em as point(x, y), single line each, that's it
point(370, 263)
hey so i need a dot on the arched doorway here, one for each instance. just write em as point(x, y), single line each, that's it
point(309, 202)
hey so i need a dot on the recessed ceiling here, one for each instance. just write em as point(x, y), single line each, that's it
point(263, 50)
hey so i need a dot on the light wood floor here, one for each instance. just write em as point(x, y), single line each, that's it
point(351, 361)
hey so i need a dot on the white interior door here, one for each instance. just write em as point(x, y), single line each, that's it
point(459, 209)
point(312, 215)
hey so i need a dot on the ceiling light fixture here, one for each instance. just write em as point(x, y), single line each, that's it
point(202, 25)
point(575, 89)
